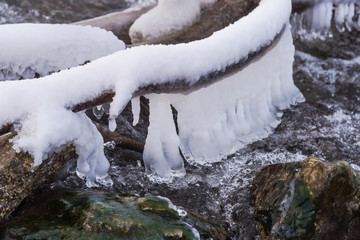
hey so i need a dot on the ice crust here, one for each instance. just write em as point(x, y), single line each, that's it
point(27, 49)
point(250, 99)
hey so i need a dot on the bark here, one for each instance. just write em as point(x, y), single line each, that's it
point(120, 140)
point(18, 178)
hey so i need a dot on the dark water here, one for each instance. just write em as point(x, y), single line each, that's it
point(327, 125)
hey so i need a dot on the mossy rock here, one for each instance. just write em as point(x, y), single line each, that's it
point(100, 215)
point(311, 199)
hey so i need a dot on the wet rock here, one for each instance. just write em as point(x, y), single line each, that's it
point(310, 199)
point(100, 215)
point(17, 176)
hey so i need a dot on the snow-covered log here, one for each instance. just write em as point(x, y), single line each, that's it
point(212, 121)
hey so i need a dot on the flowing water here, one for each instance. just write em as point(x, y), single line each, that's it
point(326, 125)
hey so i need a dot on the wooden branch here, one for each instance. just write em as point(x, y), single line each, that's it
point(119, 139)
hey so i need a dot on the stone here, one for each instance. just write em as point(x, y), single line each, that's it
point(99, 215)
point(310, 199)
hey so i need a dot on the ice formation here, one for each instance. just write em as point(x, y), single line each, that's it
point(216, 121)
point(27, 50)
point(212, 122)
point(318, 18)
point(167, 17)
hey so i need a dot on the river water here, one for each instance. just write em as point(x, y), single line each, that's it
point(326, 125)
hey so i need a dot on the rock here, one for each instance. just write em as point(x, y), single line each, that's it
point(310, 199)
point(18, 179)
point(98, 215)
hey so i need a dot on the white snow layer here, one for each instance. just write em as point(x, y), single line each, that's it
point(168, 16)
point(26, 49)
point(238, 111)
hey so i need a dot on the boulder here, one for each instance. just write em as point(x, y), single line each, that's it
point(310, 199)
point(100, 215)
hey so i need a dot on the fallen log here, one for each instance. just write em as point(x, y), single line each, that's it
point(18, 177)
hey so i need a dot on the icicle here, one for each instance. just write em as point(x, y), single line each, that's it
point(161, 152)
point(106, 107)
point(350, 15)
point(112, 123)
point(92, 164)
point(340, 17)
point(98, 111)
point(135, 105)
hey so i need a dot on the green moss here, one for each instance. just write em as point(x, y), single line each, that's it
point(299, 219)
point(97, 215)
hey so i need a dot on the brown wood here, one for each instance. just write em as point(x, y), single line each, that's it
point(18, 179)
point(119, 139)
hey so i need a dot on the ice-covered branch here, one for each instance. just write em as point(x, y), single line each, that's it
point(250, 98)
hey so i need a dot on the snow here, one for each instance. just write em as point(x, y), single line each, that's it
point(135, 105)
point(26, 49)
point(42, 112)
point(167, 17)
